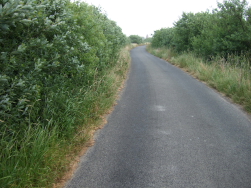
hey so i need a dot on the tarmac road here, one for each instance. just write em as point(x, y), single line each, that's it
point(168, 130)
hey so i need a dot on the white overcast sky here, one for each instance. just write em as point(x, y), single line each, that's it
point(143, 17)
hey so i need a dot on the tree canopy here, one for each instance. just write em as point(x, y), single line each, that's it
point(226, 29)
point(136, 39)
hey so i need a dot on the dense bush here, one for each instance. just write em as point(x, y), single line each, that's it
point(225, 30)
point(52, 53)
point(48, 47)
point(163, 37)
point(136, 39)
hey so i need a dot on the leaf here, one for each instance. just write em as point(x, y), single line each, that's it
point(1, 9)
point(20, 83)
point(21, 48)
point(27, 7)
point(26, 21)
point(7, 5)
point(4, 27)
point(3, 79)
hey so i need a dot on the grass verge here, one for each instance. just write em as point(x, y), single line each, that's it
point(231, 77)
point(46, 158)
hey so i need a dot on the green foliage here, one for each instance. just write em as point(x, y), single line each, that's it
point(188, 28)
point(234, 27)
point(149, 39)
point(136, 39)
point(223, 31)
point(52, 53)
point(49, 46)
point(163, 37)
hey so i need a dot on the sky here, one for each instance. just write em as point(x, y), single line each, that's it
point(143, 17)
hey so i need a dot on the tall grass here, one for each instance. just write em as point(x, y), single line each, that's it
point(230, 75)
point(43, 154)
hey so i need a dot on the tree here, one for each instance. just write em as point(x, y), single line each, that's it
point(163, 37)
point(234, 29)
point(136, 39)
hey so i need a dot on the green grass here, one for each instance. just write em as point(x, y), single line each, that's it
point(231, 77)
point(43, 154)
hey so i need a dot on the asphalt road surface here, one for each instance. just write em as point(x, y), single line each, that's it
point(168, 130)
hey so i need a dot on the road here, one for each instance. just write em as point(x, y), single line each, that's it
point(168, 130)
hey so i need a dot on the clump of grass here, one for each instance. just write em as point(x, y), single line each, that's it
point(26, 162)
point(230, 75)
point(164, 53)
